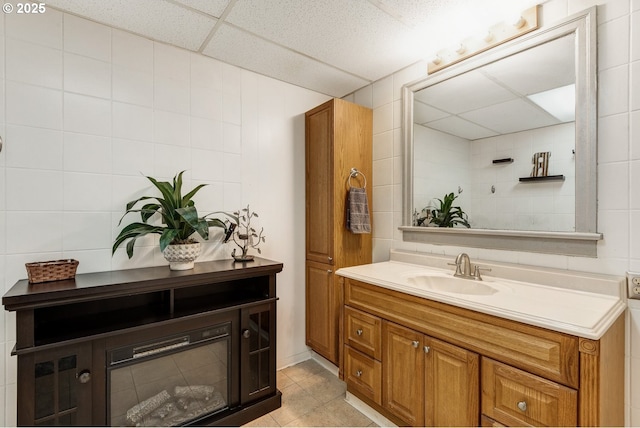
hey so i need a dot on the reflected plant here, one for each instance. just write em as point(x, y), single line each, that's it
point(447, 215)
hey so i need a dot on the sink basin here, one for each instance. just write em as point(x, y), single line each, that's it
point(450, 284)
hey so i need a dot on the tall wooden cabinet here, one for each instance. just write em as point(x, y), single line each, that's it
point(339, 137)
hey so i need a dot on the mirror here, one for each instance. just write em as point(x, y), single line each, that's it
point(473, 130)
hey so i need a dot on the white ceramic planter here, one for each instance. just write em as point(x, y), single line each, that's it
point(182, 256)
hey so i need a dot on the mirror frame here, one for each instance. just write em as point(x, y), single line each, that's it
point(582, 242)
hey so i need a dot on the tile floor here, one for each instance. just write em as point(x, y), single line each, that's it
point(311, 397)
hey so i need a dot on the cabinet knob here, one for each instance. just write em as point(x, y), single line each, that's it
point(426, 349)
point(415, 343)
point(329, 271)
point(84, 376)
point(359, 332)
point(358, 373)
point(246, 333)
point(330, 259)
point(522, 405)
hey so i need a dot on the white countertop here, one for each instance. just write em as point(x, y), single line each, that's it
point(554, 301)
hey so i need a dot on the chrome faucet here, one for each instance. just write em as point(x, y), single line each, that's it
point(463, 268)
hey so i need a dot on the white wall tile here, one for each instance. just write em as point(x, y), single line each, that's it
point(232, 138)
point(613, 91)
point(382, 225)
point(615, 178)
point(86, 231)
point(132, 122)
point(132, 86)
point(232, 83)
point(171, 95)
point(207, 165)
point(383, 145)
point(87, 192)
point(382, 172)
point(87, 153)
point(87, 115)
point(634, 118)
point(382, 92)
point(613, 40)
point(613, 137)
point(91, 260)
point(171, 62)
point(35, 64)
point(127, 189)
point(206, 73)
point(133, 52)
point(29, 147)
point(634, 234)
point(87, 38)
point(635, 36)
point(383, 119)
point(33, 232)
point(171, 128)
point(232, 108)
point(614, 225)
point(132, 157)
point(382, 198)
point(169, 160)
point(87, 76)
point(33, 190)
point(44, 29)
point(364, 96)
point(232, 167)
point(232, 196)
point(206, 103)
point(206, 134)
point(33, 106)
point(635, 85)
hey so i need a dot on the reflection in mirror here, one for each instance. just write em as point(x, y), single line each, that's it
point(512, 134)
point(503, 112)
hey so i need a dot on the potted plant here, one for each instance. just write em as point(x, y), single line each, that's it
point(179, 221)
point(446, 215)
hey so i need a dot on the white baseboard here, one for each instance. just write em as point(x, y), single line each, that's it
point(292, 360)
point(325, 363)
point(368, 411)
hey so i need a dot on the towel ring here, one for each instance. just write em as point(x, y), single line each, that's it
point(354, 173)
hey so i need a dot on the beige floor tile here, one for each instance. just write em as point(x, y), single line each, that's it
point(302, 370)
point(345, 414)
point(264, 421)
point(282, 380)
point(296, 402)
point(323, 386)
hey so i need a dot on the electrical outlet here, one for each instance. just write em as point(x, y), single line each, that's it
point(633, 285)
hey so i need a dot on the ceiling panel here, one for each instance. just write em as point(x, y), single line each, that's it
point(511, 116)
point(242, 49)
point(159, 20)
point(462, 128)
point(212, 7)
point(423, 113)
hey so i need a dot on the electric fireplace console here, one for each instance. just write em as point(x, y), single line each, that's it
point(148, 347)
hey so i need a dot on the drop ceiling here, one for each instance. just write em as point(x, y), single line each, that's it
point(330, 46)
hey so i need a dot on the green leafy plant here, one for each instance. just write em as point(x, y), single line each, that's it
point(178, 213)
point(446, 215)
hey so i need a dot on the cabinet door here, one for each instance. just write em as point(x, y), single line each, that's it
point(452, 385)
point(403, 372)
point(55, 387)
point(322, 310)
point(258, 352)
point(319, 184)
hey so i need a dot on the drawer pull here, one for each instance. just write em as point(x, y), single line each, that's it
point(358, 373)
point(426, 349)
point(415, 343)
point(330, 259)
point(329, 271)
point(522, 405)
point(359, 332)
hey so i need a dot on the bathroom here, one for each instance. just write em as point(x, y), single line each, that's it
point(63, 191)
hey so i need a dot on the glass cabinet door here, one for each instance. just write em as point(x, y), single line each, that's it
point(258, 377)
point(61, 387)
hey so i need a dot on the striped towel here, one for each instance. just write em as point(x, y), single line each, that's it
point(358, 211)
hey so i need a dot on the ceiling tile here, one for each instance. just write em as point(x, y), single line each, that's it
point(423, 113)
point(156, 19)
point(512, 116)
point(212, 7)
point(456, 126)
point(354, 36)
point(245, 50)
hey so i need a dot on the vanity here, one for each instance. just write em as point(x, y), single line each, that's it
point(524, 346)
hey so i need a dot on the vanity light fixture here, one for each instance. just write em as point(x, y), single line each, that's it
point(500, 33)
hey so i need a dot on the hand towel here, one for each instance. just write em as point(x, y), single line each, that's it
point(358, 211)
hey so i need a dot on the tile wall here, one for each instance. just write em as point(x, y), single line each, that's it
point(618, 164)
point(86, 110)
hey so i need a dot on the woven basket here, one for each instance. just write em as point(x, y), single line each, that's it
point(54, 270)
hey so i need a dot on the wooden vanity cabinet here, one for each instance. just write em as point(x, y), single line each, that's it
point(443, 365)
point(338, 137)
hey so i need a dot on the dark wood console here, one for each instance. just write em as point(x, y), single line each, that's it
point(72, 339)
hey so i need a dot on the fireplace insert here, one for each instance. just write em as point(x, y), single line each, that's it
point(171, 381)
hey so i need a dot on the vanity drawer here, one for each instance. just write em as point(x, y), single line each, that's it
point(537, 350)
point(363, 374)
point(516, 398)
point(363, 332)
